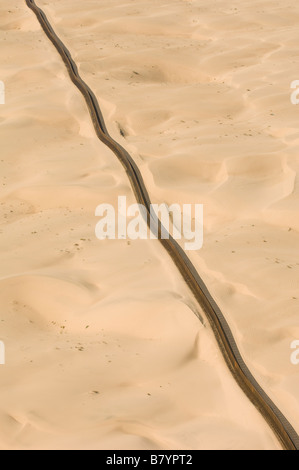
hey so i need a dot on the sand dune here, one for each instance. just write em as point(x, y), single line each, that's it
point(103, 347)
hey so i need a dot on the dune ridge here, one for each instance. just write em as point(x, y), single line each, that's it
point(61, 307)
point(236, 112)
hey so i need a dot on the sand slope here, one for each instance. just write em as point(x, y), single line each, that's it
point(103, 347)
point(202, 93)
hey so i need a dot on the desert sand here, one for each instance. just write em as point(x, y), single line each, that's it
point(103, 347)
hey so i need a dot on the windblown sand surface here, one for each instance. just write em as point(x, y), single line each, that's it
point(103, 348)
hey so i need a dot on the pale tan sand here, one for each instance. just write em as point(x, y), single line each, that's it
point(103, 347)
point(211, 121)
